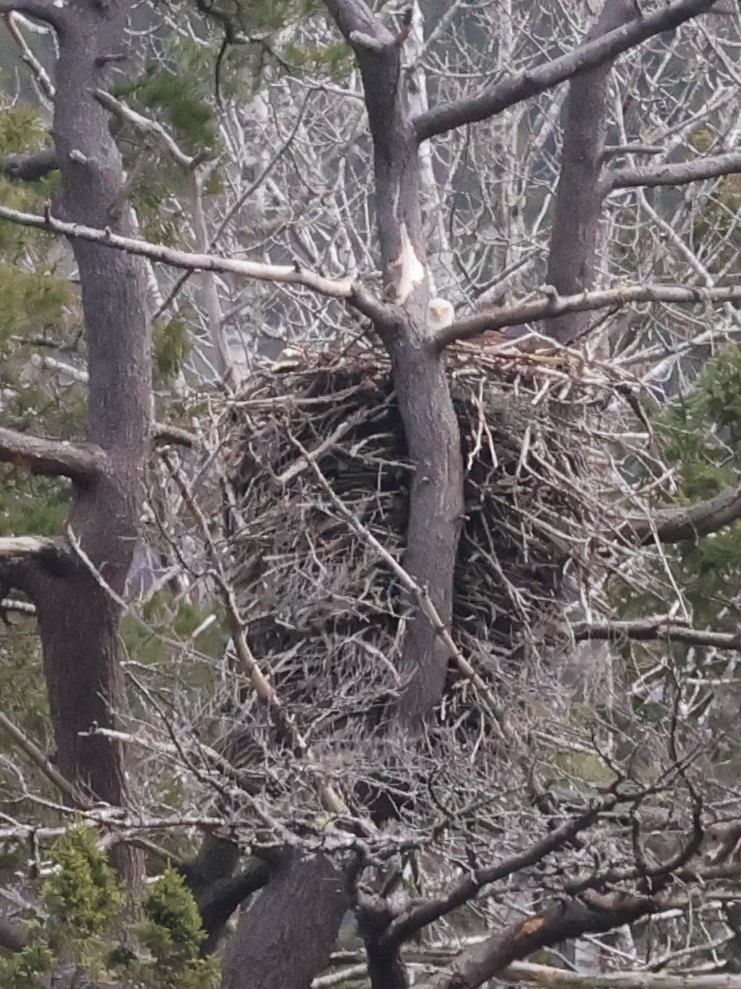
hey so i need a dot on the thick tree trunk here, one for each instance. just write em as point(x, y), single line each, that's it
point(432, 435)
point(576, 220)
point(286, 936)
point(78, 614)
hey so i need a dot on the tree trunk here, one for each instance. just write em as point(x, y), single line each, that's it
point(78, 614)
point(286, 935)
point(578, 208)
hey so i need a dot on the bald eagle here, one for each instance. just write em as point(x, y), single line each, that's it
point(440, 313)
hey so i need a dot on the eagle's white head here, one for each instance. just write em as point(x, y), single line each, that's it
point(440, 313)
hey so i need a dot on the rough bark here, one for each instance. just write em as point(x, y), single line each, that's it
point(578, 208)
point(430, 425)
point(286, 936)
point(78, 616)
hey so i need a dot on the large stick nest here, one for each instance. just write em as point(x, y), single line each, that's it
point(325, 613)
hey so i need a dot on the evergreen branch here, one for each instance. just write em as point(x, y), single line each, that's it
point(537, 80)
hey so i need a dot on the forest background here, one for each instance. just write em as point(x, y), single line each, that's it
point(369, 540)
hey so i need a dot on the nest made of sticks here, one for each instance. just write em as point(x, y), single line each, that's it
point(325, 613)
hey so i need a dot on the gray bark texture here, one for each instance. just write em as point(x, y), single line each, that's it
point(576, 219)
point(288, 932)
point(78, 616)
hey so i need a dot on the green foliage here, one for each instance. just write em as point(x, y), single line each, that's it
point(173, 96)
point(23, 970)
point(173, 934)
point(21, 131)
point(171, 346)
point(702, 436)
point(82, 894)
point(32, 301)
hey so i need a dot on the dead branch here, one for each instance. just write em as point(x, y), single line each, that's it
point(420, 916)
point(80, 462)
point(340, 288)
point(675, 173)
point(30, 167)
point(42, 10)
point(651, 629)
point(531, 82)
point(674, 525)
point(553, 305)
point(34, 753)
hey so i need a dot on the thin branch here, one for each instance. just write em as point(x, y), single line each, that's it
point(406, 925)
point(651, 629)
point(41, 10)
point(531, 82)
point(335, 288)
point(676, 173)
point(80, 462)
point(39, 759)
point(44, 83)
point(331, 798)
point(559, 978)
point(554, 305)
point(146, 126)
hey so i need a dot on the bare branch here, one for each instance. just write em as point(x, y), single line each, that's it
point(650, 629)
point(41, 76)
point(559, 978)
point(339, 288)
point(80, 462)
point(146, 126)
point(673, 525)
point(30, 167)
point(533, 81)
point(553, 305)
point(420, 916)
point(676, 173)
point(35, 754)
point(596, 914)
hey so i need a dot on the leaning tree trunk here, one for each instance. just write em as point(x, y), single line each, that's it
point(578, 209)
point(78, 593)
